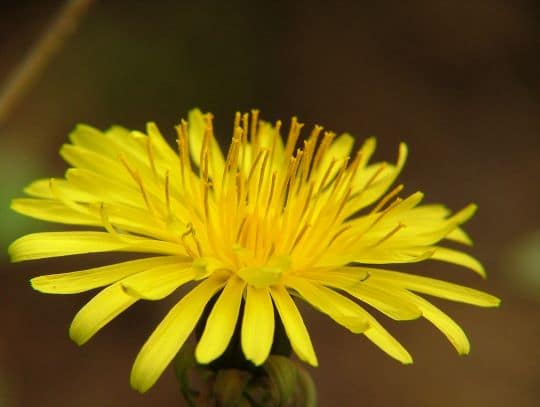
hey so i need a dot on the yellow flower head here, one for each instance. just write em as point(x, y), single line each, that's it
point(259, 226)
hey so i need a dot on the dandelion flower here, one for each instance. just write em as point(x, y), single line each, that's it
point(255, 228)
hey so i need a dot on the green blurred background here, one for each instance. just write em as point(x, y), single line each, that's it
point(457, 80)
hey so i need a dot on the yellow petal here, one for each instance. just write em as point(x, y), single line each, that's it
point(459, 258)
point(341, 147)
point(460, 236)
point(84, 280)
point(158, 282)
point(82, 158)
point(353, 280)
point(104, 189)
point(443, 322)
point(339, 151)
point(367, 150)
point(418, 232)
point(53, 211)
point(384, 255)
point(196, 131)
point(55, 244)
point(128, 143)
point(98, 312)
point(294, 325)
point(268, 137)
point(342, 310)
point(382, 338)
point(434, 287)
point(393, 306)
point(163, 149)
point(197, 128)
point(170, 335)
point(92, 139)
point(337, 277)
point(42, 189)
point(257, 325)
point(370, 193)
point(138, 221)
point(221, 322)
point(375, 332)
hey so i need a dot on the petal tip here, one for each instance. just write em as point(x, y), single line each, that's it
point(138, 383)
point(36, 283)
point(76, 336)
point(14, 253)
point(202, 357)
point(408, 361)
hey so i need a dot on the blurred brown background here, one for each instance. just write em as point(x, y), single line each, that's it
point(457, 80)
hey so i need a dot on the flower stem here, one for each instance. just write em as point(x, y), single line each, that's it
point(28, 70)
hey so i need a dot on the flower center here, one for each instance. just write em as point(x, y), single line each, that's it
point(263, 276)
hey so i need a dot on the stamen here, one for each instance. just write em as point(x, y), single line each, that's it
point(390, 234)
point(270, 252)
point(309, 148)
point(237, 117)
point(232, 154)
point(137, 178)
point(191, 232)
point(180, 142)
point(241, 229)
point(205, 187)
point(231, 163)
point(244, 142)
point(294, 133)
point(383, 214)
point(275, 138)
point(342, 203)
point(207, 143)
point(353, 168)
point(300, 236)
point(254, 125)
point(338, 234)
point(387, 198)
point(339, 177)
point(307, 201)
point(381, 168)
point(294, 175)
point(286, 185)
point(105, 219)
point(246, 127)
point(262, 172)
point(150, 155)
point(58, 194)
point(239, 188)
point(203, 158)
point(183, 144)
point(325, 176)
point(270, 193)
point(323, 148)
point(185, 131)
point(167, 193)
point(262, 153)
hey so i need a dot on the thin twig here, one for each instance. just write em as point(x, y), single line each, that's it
point(40, 54)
